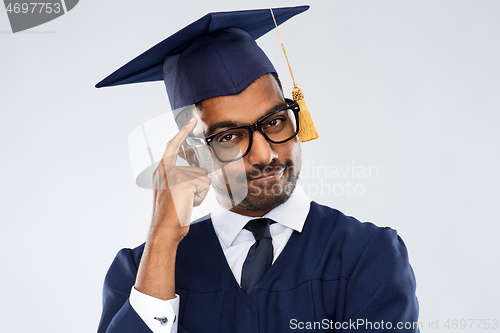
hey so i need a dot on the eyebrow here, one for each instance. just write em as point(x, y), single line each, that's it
point(226, 124)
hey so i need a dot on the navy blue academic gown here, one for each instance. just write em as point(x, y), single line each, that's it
point(336, 272)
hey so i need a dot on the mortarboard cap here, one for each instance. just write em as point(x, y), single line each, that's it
point(214, 56)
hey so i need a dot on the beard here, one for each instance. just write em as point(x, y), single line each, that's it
point(237, 188)
point(269, 195)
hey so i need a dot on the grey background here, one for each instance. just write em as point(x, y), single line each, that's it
point(408, 87)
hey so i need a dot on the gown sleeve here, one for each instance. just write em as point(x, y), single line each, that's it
point(118, 316)
point(380, 295)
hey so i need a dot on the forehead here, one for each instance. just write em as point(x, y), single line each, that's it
point(244, 108)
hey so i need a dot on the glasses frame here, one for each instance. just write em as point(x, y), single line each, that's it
point(257, 126)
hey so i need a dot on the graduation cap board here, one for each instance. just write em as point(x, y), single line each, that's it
point(207, 54)
point(214, 56)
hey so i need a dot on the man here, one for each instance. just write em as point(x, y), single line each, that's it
point(268, 259)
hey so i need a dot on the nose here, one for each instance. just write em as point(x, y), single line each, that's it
point(261, 151)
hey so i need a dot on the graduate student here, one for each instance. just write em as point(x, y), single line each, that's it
point(268, 259)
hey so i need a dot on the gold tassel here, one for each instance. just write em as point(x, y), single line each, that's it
point(307, 130)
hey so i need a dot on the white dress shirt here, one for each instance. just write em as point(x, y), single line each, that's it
point(235, 242)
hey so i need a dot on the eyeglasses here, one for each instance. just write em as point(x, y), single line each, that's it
point(278, 127)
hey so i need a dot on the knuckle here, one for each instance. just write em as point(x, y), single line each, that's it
point(174, 174)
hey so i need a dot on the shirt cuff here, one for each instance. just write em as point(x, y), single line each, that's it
point(160, 316)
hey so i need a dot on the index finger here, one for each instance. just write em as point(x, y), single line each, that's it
point(170, 155)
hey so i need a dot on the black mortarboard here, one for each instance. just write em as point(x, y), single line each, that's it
point(214, 56)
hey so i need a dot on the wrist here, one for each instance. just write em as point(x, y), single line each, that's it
point(165, 238)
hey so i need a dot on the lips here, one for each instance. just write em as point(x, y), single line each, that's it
point(268, 176)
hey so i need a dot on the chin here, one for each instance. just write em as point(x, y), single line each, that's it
point(268, 196)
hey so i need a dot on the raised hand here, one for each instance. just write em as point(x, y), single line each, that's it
point(176, 190)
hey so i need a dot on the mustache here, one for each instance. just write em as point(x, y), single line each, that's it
point(259, 170)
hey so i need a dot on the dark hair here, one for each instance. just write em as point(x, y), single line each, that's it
point(273, 74)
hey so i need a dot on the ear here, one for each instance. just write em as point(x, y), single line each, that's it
point(187, 152)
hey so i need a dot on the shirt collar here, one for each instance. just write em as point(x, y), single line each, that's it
point(291, 214)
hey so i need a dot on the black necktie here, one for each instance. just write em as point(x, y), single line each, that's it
point(260, 255)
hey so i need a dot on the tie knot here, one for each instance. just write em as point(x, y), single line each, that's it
point(259, 228)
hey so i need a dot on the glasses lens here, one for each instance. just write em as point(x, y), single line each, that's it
point(230, 144)
point(233, 143)
point(280, 126)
